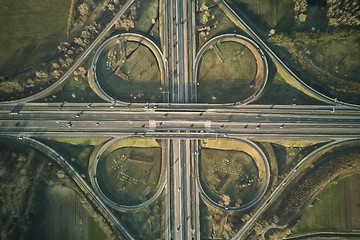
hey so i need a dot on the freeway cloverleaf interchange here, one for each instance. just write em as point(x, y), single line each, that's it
point(188, 120)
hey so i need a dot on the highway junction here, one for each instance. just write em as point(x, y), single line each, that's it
point(180, 122)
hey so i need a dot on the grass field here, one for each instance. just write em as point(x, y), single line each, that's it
point(295, 143)
point(63, 216)
point(135, 142)
point(76, 153)
point(75, 89)
point(350, 202)
point(337, 54)
point(323, 214)
point(270, 11)
point(232, 173)
point(278, 91)
point(138, 78)
point(227, 167)
point(288, 157)
point(80, 141)
point(30, 32)
point(336, 208)
point(129, 175)
point(232, 85)
point(290, 152)
point(326, 61)
point(147, 11)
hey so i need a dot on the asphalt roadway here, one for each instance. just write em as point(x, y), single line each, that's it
point(300, 167)
point(250, 121)
point(178, 123)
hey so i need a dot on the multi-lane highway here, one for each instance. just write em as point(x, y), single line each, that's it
point(246, 121)
point(181, 125)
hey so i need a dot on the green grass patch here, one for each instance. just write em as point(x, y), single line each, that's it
point(325, 61)
point(288, 154)
point(233, 173)
point(294, 143)
point(94, 231)
point(225, 145)
point(30, 32)
point(129, 175)
point(234, 84)
point(335, 53)
point(278, 91)
point(134, 142)
point(137, 79)
point(272, 12)
point(80, 141)
point(77, 154)
point(147, 11)
point(323, 214)
point(75, 89)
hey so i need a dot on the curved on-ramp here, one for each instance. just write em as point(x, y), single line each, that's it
point(132, 37)
point(256, 199)
point(111, 203)
point(60, 160)
point(313, 156)
point(234, 17)
point(47, 91)
point(261, 77)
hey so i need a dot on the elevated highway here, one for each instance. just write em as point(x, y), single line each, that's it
point(180, 124)
point(249, 121)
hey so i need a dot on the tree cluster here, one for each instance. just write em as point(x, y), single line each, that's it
point(343, 13)
point(206, 19)
point(316, 178)
point(217, 216)
point(22, 176)
point(127, 21)
point(300, 10)
point(81, 12)
point(204, 14)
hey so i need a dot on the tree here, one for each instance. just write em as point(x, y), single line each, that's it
point(226, 199)
point(83, 9)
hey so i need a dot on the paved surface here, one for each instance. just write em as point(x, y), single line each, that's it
point(181, 124)
point(250, 121)
point(131, 37)
point(259, 157)
point(262, 71)
point(283, 184)
point(64, 164)
point(246, 27)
